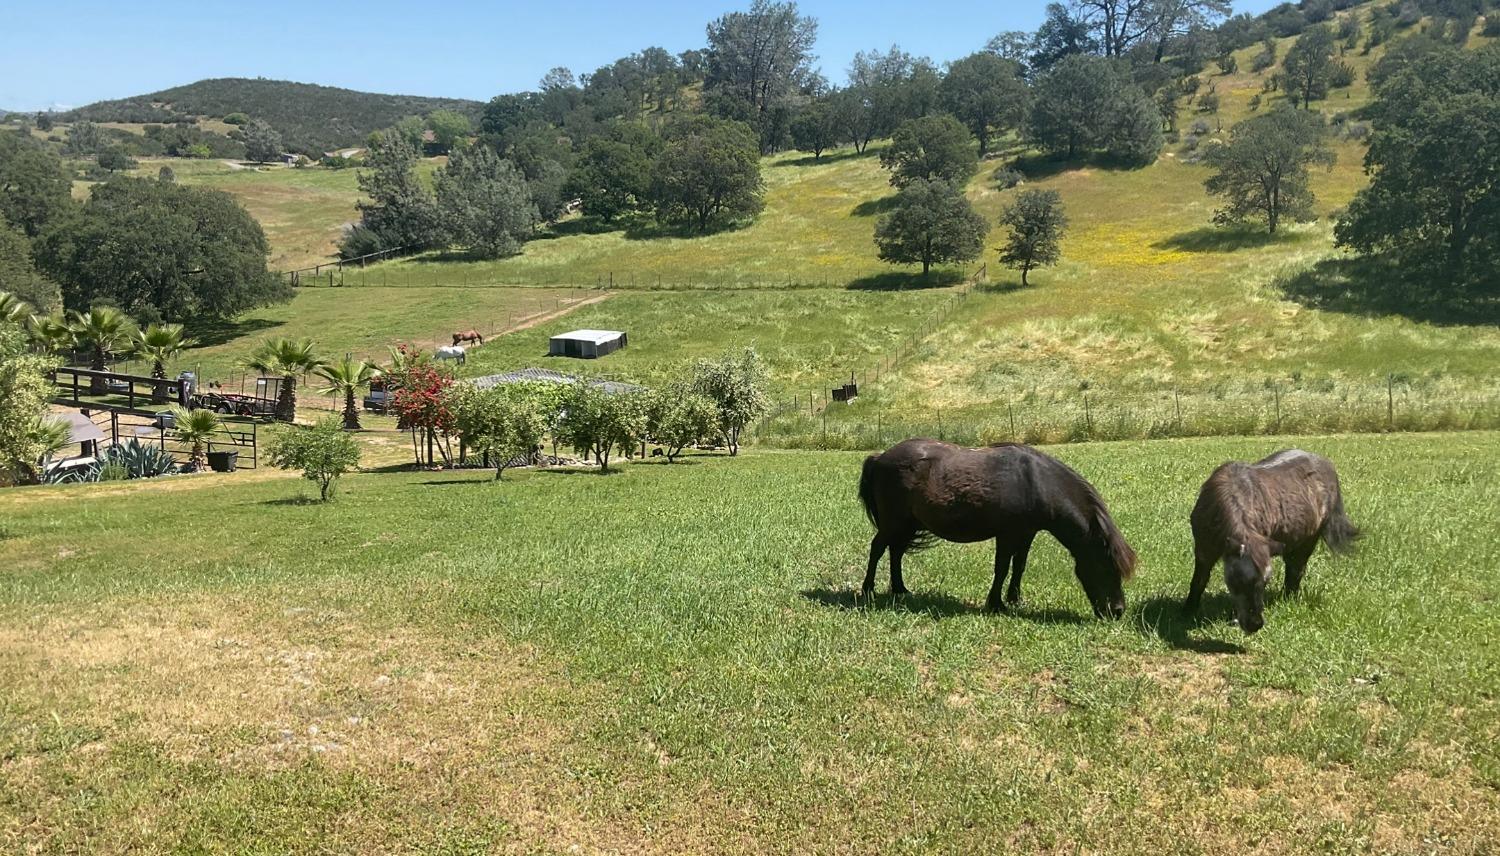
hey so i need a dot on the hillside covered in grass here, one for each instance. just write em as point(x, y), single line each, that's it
point(312, 119)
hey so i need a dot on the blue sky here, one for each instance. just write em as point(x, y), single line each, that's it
point(93, 50)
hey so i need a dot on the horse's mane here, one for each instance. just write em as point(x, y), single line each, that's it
point(1121, 555)
point(1227, 510)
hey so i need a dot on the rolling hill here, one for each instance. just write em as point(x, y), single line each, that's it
point(311, 118)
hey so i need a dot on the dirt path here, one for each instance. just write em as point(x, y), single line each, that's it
point(543, 317)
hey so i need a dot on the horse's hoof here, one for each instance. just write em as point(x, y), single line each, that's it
point(996, 608)
point(900, 592)
point(1013, 600)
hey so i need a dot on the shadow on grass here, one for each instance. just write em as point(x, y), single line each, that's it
point(906, 281)
point(1039, 166)
point(935, 604)
point(1373, 286)
point(830, 156)
point(407, 467)
point(871, 207)
point(1162, 616)
point(1007, 287)
point(647, 229)
point(614, 470)
point(583, 226)
point(209, 333)
point(448, 256)
point(1223, 240)
point(486, 477)
point(938, 605)
point(294, 500)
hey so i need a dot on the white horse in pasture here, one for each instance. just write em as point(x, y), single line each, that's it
point(452, 352)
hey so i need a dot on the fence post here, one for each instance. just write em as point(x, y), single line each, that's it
point(1088, 416)
point(1276, 393)
point(1390, 402)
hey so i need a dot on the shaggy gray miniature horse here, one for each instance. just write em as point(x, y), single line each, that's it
point(1248, 513)
point(920, 490)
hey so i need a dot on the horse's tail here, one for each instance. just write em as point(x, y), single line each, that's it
point(1121, 555)
point(867, 478)
point(1340, 533)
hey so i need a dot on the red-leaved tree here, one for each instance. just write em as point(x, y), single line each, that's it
point(421, 400)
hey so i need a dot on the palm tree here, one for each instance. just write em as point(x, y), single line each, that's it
point(12, 308)
point(50, 334)
point(160, 343)
point(48, 435)
point(345, 378)
point(102, 331)
point(285, 359)
point(196, 427)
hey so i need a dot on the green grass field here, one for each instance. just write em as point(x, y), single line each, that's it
point(670, 659)
point(365, 322)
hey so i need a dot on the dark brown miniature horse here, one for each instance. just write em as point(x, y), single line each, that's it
point(1248, 513)
point(919, 490)
point(467, 336)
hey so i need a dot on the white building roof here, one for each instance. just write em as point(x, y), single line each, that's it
point(598, 337)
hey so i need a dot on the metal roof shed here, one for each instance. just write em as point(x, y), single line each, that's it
point(588, 344)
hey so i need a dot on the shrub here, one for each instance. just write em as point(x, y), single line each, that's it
point(595, 422)
point(1199, 128)
point(1492, 24)
point(1190, 143)
point(677, 417)
point(134, 460)
point(1005, 179)
point(236, 119)
point(360, 240)
point(1228, 64)
point(505, 423)
point(114, 159)
point(323, 452)
point(737, 383)
point(1264, 60)
point(1341, 76)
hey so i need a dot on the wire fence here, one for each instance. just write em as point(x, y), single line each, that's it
point(311, 276)
point(813, 402)
point(1095, 414)
point(330, 275)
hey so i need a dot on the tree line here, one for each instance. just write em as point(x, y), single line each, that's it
point(153, 248)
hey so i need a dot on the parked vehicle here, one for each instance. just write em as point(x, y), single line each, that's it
point(378, 401)
point(236, 404)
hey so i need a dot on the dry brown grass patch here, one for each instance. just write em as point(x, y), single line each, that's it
point(447, 730)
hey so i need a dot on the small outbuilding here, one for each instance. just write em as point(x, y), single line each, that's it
point(587, 344)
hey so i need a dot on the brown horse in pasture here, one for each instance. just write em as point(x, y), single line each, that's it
point(919, 490)
point(463, 336)
point(1248, 513)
